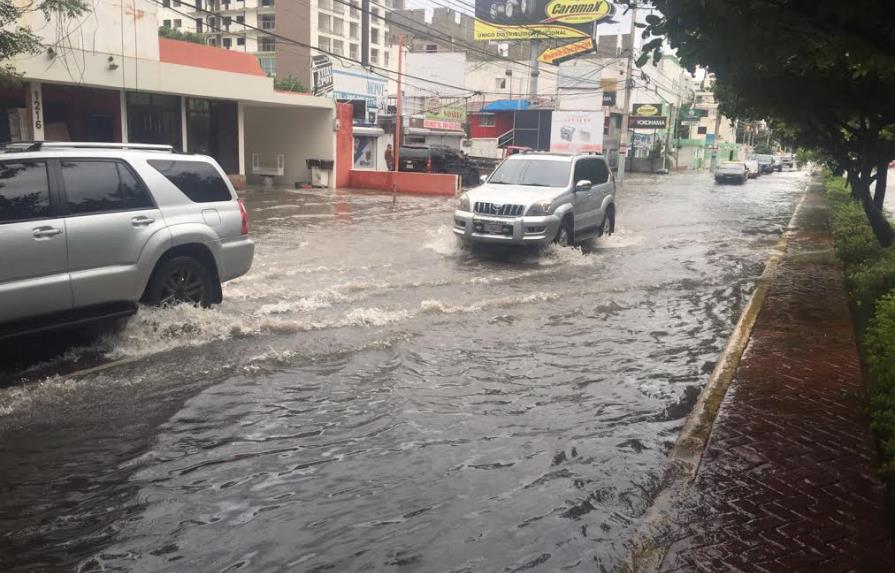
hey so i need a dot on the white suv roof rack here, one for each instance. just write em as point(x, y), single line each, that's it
point(41, 145)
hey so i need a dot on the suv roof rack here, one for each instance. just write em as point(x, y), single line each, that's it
point(21, 146)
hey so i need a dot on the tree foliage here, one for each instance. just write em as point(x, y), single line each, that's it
point(171, 33)
point(822, 71)
point(17, 38)
point(290, 84)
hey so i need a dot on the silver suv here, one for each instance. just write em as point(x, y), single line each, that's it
point(538, 198)
point(88, 230)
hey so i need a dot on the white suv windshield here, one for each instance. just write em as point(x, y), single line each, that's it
point(533, 172)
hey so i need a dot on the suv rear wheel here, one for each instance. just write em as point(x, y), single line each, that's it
point(181, 280)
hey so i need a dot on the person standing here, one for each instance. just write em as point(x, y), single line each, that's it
point(389, 157)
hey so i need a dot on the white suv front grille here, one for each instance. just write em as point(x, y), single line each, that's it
point(498, 210)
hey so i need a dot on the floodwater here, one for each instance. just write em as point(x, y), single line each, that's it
point(373, 398)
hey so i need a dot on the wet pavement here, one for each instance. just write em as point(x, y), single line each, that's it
point(372, 397)
point(788, 480)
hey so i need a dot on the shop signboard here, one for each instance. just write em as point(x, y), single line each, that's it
point(444, 114)
point(567, 52)
point(504, 20)
point(609, 99)
point(647, 109)
point(693, 114)
point(659, 122)
point(577, 132)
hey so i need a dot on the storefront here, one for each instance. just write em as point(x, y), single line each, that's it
point(154, 118)
point(369, 148)
point(212, 129)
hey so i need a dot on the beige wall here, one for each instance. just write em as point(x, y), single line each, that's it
point(299, 134)
point(294, 21)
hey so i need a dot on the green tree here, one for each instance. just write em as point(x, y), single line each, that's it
point(17, 39)
point(824, 70)
point(289, 83)
point(171, 33)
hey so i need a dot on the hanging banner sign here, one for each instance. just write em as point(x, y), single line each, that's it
point(647, 122)
point(567, 52)
point(538, 19)
point(693, 114)
point(609, 99)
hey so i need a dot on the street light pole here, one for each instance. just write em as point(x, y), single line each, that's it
point(626, 111)
point(398, 119)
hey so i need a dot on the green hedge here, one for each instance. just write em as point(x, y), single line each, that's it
point(870, 277)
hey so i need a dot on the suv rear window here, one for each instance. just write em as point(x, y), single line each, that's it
point(24, 191)
point(198, 180)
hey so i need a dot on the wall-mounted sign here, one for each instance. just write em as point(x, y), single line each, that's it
point(647, 109)
point(647, 122)
point(688, 114)
point(322, 74)
point(567, 52)
point(539, 19)
point(609, 99)
point(445, 115)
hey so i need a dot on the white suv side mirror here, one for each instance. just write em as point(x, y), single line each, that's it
point(583, 185)
point(483, 178)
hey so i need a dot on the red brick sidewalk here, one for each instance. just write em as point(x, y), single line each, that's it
point(787, 480)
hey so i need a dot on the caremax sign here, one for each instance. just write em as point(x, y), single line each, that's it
point(647, 109)
point(539, 19)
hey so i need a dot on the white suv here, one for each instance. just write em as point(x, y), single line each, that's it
point(87, 230)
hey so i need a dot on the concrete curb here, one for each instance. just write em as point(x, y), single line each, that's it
point(645, 553)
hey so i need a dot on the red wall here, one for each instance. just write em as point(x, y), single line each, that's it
point(406, 183)
point(344, 144)
point(503, 123)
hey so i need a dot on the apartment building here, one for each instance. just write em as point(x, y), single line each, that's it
point(279, 32)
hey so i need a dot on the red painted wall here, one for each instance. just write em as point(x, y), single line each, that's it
point(344, 144)
point(503, 123)
point(200, 56)
point(406, 183)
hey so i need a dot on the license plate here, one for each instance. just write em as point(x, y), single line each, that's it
point(494, 228)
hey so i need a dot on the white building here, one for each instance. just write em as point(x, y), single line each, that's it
point(108, 77)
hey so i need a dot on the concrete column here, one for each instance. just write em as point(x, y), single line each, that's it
point(36, 107)
point(241, 137)
point(183, 130)
point(123, 112)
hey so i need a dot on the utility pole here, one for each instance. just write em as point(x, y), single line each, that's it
point(398, 119)
point(365, 33)
point(534, 66)
point(671, 126)
point(717, 146)
point(626, 111)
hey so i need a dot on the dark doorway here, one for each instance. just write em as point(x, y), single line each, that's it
point(212, 129)
point(154, 118)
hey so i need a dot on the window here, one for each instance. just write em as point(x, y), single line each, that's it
point(24, 191)
point(198, 180)
point(268, 64)
point(374, 12)
point(338, 47)
point(374, 36)
point(353, 51)
point(702, 130)
point(199, 24)
point(323, 23)
point(353, 31)
point(227, 21)
point(102, 186)
point(166, 23)
point(268, 21)
point(166, 3)
point(178, 23)
point(240, 19)
point(500, 83)
point(355, 12)
point(338, 27)
point(385, 58)
point(267, 2)
point(227, 43)
point(374, 55)
point(240, 41)
point(323, 44)
point(267, 44)
point(487, 121)
point(177, 3)
point(325, 4)
point(431, 47)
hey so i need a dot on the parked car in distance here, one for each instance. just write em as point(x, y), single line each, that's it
point(438, 159)
point(752, 169)
point(89, 230)
point(732, 172)
point(787, 160)
point(539, 198)
point(777, 163)
point(765, 163)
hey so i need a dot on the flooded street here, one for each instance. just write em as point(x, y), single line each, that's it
point(371, 397)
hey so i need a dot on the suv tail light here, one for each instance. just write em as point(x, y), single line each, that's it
point(245, 217)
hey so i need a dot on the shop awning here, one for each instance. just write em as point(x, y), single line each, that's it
point(506, 105)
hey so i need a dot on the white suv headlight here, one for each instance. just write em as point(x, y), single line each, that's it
point(539, 209)
point(464, 203)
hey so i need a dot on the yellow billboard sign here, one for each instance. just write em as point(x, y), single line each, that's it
point(538, 19)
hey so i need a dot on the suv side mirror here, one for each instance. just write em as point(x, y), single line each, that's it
point(483, 178)
point(583, 185)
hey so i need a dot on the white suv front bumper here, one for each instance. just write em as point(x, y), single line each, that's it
point(475, 228)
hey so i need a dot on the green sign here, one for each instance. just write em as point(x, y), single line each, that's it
point(695, 114)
